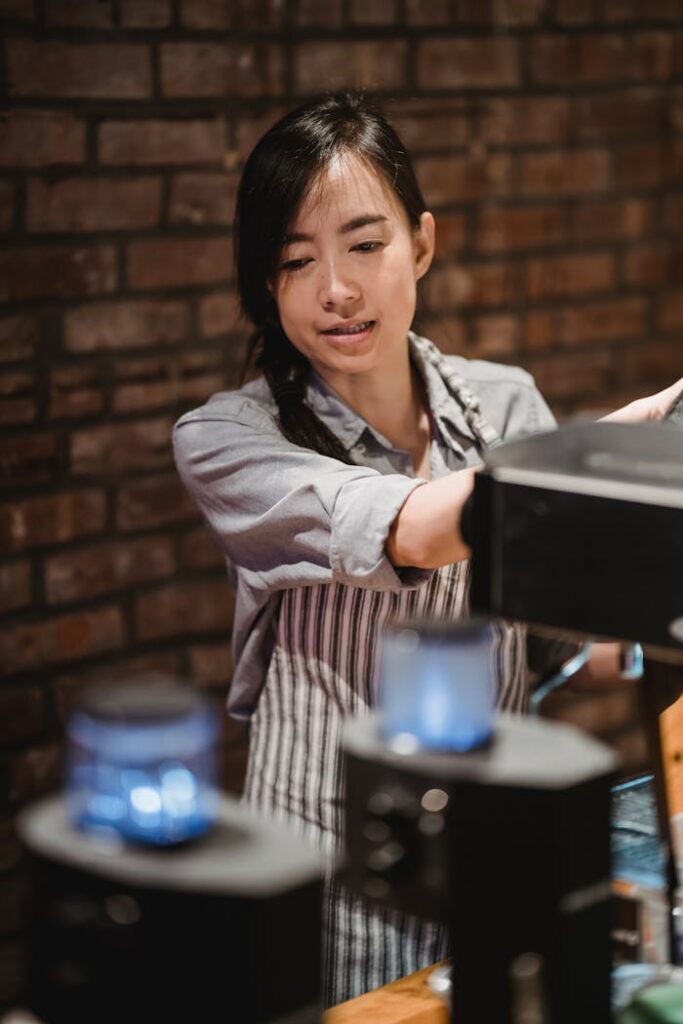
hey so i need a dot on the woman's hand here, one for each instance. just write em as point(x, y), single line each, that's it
point(647, 410)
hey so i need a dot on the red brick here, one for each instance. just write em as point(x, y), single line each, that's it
point(93, 204)
point(485, 284)
point(58, 639)
point(526, 119)
point(149, 142)
point(203, 198)
point(658, 362)
point(121, 447)
point(22, 713)
point(56, 272)
point(149, 384)
point(500, 13)
point(512, 228)
point(219, 313)
point(651, 56)
point(106, 568)
point(602, 58)
point(568, 275)
point(447, 332)
point(199, 550)
point(145, 13)
point(637, 164)
point(6, 206)
point(68, 687)
point(76, 14)
point(658, 263)
point(248, 131)
point(473, 63)
point(574, 376)
point(21, 9)
point(428, 12)
point(661, 10)
point(574, 12)
point(18, 337)
point(227, 69)
point(612, 220)
point(40, 138)
point(564, 173)
point(458, 179)
point(34, 772)
point(451, 235)
point(15, 586)
point(153, 501)
point(335, 65)
point(670, 313)
point(185, 609)
point(75, 391)
point(429, 124)
point(211, 664)
point(621, 114)
point(619, 10)
point(553, 59)
point(79, 70)
point(206, 14)
point(221, 14)
point(373, 12)
point(179, 262)
point(672, 211)
point(495, 337)
point(57, 519)
point(112, 326)
point(612, 320)
point(28, 459)
point(17, 398)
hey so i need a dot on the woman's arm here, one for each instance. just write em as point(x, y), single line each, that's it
point(426, 532)
point(647, 410)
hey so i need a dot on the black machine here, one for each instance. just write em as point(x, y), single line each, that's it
point(579, 530)
point(226, 927)
point(508, 845)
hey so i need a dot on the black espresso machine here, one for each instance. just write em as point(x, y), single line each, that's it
point(581, 531)
point(156, 897)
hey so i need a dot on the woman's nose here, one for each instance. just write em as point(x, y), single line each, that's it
point(337, 288)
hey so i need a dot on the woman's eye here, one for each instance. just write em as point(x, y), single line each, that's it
point(367, 246)
point(294, 264)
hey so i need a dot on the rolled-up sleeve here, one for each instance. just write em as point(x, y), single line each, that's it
point(284, 515)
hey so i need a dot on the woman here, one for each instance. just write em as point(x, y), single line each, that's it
point(334, 483)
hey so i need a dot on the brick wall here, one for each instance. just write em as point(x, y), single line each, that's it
point(548, 136)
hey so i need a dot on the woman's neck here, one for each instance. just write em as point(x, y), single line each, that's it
point(390, 399)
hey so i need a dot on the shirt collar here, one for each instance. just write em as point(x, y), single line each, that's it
point(349, 426)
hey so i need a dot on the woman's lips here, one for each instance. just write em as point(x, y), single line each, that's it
point(351, 334)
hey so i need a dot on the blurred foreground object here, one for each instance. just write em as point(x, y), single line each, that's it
point(141, 761)
point(155, 898)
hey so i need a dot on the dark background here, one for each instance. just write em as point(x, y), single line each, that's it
point(548, 137)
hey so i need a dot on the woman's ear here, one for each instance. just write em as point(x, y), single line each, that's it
point(423, 244)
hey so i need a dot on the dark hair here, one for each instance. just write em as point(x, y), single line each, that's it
point(284, 163)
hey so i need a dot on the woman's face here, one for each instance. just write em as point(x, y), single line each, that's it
point(345, 283)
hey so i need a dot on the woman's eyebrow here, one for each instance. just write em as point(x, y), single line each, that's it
point(351, 225)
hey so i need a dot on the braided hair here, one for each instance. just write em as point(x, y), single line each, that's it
point(285, 163)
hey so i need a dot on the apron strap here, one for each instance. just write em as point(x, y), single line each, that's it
point(484, 432)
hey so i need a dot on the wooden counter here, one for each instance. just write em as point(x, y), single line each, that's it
point(406, 1001)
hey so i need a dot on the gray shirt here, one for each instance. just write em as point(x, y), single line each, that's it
point(286, 516)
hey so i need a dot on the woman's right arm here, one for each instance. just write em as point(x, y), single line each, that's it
point(426, 532)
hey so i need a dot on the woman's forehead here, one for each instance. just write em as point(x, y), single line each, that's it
point(347, 187)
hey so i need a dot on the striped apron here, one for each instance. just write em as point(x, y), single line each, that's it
point(322, 670)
